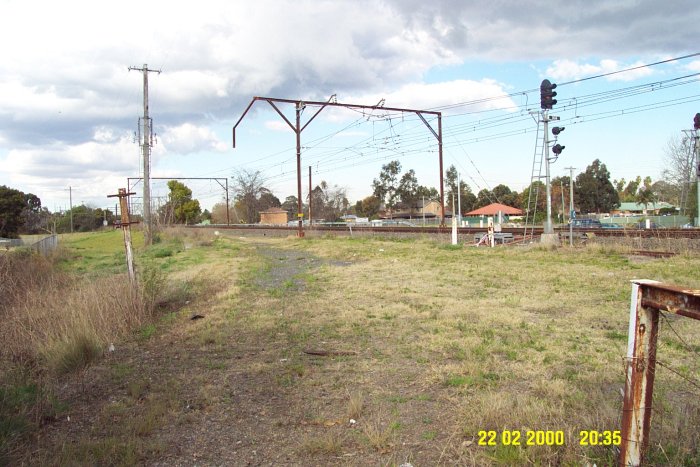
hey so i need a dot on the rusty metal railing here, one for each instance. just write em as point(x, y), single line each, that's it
point(649, 298)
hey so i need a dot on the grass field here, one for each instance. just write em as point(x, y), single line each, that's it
point(337, 351)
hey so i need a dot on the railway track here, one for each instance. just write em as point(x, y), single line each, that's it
point(517, 232)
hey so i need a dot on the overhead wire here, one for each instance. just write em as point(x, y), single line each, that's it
point(325, 156)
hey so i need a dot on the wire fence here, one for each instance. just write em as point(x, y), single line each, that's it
point(45, 246)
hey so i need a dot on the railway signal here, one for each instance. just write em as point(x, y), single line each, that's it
point(547, 94)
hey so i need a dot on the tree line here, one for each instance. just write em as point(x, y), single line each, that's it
point(393, 190)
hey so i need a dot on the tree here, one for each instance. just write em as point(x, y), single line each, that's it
point(505, 195)
point(218, 214)
point(291, 204)
point(368, 207)
point(484, 198)
point(386, 186)
point(249, 188)
point(593, 190)
point(32, 214)
point(317, 201)
point(464, 192)
point(336, 202)
point(268, 200)
point(665, 191)
point(12, 204)
point(85, 219)
point(329, 203)
point(429, 193)
point(535, 195)
point(500, 194)
point(560, 194)
point(679, 172)
point(180, 208)
point(646, 196)
point(407, 191)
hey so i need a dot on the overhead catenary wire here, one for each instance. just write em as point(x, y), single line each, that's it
point(327, 158)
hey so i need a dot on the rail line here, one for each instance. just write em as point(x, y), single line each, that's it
point(517, 232)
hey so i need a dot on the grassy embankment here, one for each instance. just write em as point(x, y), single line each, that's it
point(60, 314)
point(424, 346)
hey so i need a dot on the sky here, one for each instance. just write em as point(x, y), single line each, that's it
point(70, 106)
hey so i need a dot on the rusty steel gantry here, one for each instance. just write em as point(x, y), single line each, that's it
point(297, 128)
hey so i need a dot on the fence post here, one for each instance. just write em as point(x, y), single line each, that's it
point(639, 383)
point(648, 299)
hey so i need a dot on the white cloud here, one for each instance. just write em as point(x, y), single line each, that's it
point(568, 69)
point(277, 125)
point(694, 66)
point(68, 99)
point(426, 96)
point(188, 138)
point(98, 168)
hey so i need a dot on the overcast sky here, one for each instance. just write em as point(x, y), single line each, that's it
point(69, 106)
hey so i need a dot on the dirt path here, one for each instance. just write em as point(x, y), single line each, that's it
point(240, 386)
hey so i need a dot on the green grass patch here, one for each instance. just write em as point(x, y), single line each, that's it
point(147, 331)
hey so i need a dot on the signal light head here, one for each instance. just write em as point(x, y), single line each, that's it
point(557, 149)
point(696, 121)
point(557, 129)
point(547, 94)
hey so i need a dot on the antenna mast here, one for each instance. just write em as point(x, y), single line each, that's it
point(146, 143)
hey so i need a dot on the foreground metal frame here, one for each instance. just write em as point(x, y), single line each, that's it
point(648, 299)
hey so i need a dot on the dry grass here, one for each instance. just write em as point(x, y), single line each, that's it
point(520, 339)
point(54, 323)
point(434, 345)
point(328, 443)
point(62, 322)
point(355, 406)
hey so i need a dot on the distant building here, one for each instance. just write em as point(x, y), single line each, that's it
point(632, 209)
point(430, 209)
point(273, 216)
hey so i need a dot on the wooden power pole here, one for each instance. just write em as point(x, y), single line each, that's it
point(126, 228)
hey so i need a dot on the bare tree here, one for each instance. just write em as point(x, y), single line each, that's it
point(679, 160)
point(329, 202)
point(248, 190)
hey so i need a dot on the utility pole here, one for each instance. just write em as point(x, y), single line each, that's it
point(571, 205)
point(696, 135)
point(146, 143)
point(311, 219)
point(126, 228)
point(70, 198)
point(459, 202)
